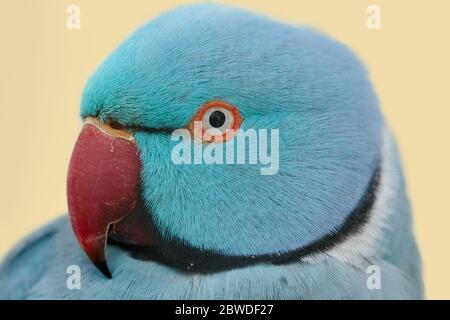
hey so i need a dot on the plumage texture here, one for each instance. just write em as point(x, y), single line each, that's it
point(332, 139)
point(310, 87)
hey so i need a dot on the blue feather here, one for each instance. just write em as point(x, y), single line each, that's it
point(332, 140)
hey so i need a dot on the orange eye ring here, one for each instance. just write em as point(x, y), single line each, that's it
point(232, 122)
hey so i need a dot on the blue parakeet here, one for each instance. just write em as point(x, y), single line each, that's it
point(329, 220)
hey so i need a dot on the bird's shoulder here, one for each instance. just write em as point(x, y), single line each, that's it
point(25, 264)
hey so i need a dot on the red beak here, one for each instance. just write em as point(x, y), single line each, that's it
point(103, 189)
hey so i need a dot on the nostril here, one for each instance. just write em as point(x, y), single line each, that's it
point(110, 127)
point(115, 125)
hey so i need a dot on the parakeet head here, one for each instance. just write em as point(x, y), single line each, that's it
point(227, 69)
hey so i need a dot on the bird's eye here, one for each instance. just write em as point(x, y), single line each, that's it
point(216, 121)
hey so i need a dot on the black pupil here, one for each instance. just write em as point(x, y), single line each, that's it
point(217, 119)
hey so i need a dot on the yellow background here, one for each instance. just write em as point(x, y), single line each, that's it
point(43, 68)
